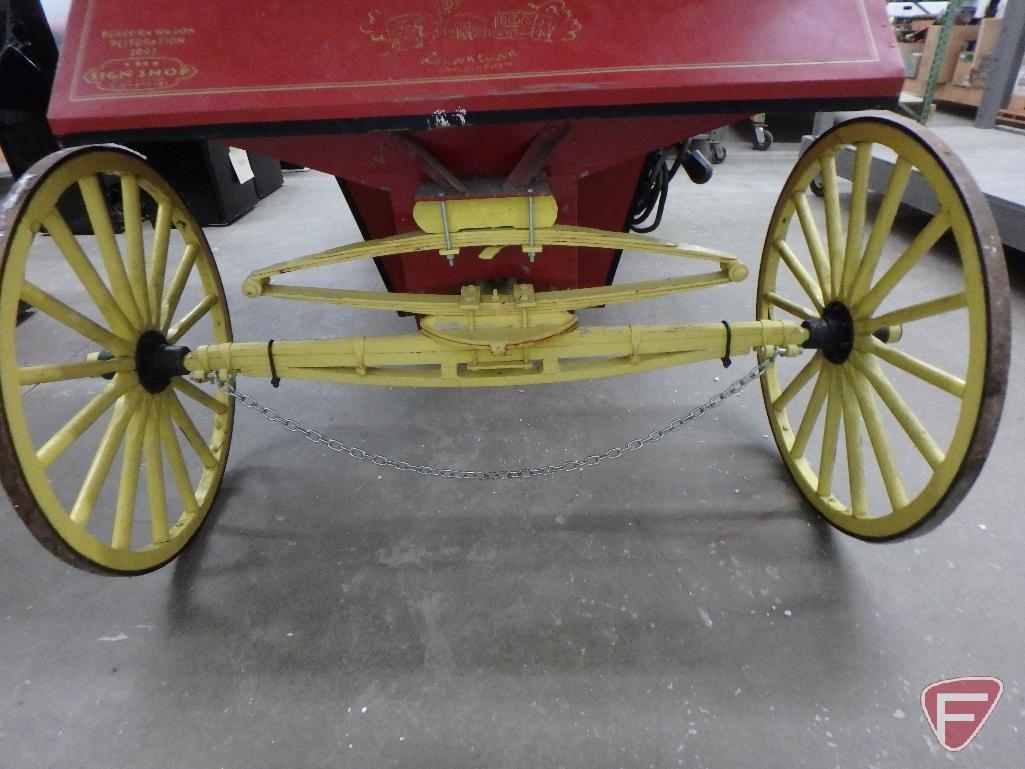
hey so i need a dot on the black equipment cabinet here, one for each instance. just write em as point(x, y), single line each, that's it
point(28, 62)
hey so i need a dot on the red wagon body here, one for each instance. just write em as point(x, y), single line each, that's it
point(326, 85)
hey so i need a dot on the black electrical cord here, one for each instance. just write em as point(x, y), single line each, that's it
point(653, 189)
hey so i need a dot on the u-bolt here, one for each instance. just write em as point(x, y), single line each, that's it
point(530, 223)
point(448, 235)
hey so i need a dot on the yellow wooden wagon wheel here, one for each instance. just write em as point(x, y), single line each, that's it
point(92, 378)
point(913, 383)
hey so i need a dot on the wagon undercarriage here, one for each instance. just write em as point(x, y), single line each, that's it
point(493, 236)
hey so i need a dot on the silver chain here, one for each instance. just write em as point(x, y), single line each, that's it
point(294, 426)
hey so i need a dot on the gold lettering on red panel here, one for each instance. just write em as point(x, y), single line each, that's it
point(139, 74)
point(438, 34)
point(141, 64)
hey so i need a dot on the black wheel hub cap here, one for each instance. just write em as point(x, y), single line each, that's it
point(833, 333)
point(157, 362)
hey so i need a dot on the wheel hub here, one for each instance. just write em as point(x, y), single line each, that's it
point(157, 362)
point(833, 333)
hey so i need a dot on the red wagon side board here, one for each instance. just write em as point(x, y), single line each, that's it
point(159, 65)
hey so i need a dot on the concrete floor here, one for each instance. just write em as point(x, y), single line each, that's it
point(683, 607)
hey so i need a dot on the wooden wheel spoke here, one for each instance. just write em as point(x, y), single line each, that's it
point(788, 306)
point(177, 285)
point(173, 452)
point(880, 443)
point(920, 311)
point(188, 428)
point(158, 266)
point(799, 382)
point(852, 441)
point(109, 444)
point(882, 226)
point(73, 429)
point(155, 489)
point(819, 258)
point(856, 221)
point(830, 433)
point(87, 275)
point(178, 330)
point(59, 372)
point(135, 254)
point(800, 273)
point(834, 221)
point(918, 368)
point(128, 488)
point(74, 320)
point(185, 387)
point(905, 417)
point(99, 218)
point(924, 241)
point(811, 413)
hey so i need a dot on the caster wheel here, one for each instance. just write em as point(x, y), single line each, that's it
point(764, 142)
point(912, 349)
point(816, 187)
point(718, 153)
point(87, 382)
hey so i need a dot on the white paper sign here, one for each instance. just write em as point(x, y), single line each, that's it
point(240, 162)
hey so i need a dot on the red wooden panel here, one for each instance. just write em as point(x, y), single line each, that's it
point(155, 64)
